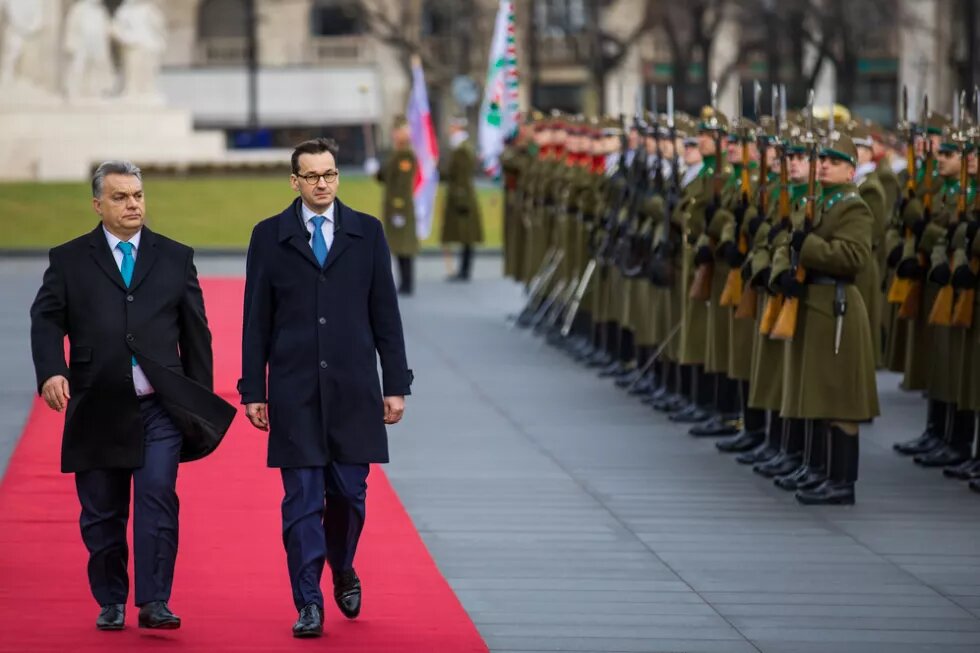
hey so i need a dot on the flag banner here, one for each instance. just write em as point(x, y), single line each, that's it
point(426, 152)
point(499, 110)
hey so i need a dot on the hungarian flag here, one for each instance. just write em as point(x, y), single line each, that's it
point(499, 111)
point(426, 151)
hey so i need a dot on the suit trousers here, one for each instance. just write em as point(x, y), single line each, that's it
point(104, 495)
point(323, 514)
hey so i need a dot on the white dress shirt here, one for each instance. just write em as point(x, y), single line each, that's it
point(326, 229)
point(691, 173)
point(140, 382)
point(862, 172)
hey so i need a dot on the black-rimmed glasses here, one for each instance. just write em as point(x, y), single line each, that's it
point(313, 179)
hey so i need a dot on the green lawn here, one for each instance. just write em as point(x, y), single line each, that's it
point(206, 212)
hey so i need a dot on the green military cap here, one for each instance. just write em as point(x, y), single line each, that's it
point(936, 123)
point(793, 138)
point(767, 128)
point(840, 146)
point(745, 129)
point(611, 126)
point(861, 134)
point(712, 120)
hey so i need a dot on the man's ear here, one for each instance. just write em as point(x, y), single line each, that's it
point(97, 206)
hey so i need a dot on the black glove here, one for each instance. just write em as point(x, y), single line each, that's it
point(798, 238)
point(788, 285)
point(703, 256)
point(940, 275)
point(761, 278)
point(919, 226)
point(739, 212)
point(951, 231)
point(895, 255)
point(971, 233)
point(732, 256)
point(709, 213)
point(775, 231)
point(746, 273)
point(909, 269)
point(964, 279)
point(754, 225)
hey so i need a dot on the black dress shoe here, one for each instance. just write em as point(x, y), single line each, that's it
point(780, 465)
point(615, 368)
point(347, 593)
point(716, 426)
point(922, 444)
point(671, 403)
point(975, 485)
point(964, 471)
point(760, 454)
point(692, 414)
point(111, 617)
point(156, 614)
point(803, 477)
point(828, 493)
point(744, 441)
point(310, 622)
point(942, 456)
point(631, 378)
point(643, 387)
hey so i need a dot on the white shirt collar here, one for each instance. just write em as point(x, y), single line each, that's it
point(691, 173)
point(308, 214)
point(113, 241)
point(863, 170)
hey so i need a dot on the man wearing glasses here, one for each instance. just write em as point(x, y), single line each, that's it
point(320, 307)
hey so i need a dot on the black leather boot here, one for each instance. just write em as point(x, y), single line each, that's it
point(790, 454)
point(838, 489)
point(812, 472)
point(753, 426)
point(768, 449)
point(932, 435)
point(955, 447)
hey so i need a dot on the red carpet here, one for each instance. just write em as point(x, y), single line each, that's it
point(231, 586)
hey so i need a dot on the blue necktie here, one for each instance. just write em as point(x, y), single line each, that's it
point(319, 243)
point(128, 263)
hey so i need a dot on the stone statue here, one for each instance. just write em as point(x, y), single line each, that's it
point(89, 73)
point(21, 20)
point(141, 30)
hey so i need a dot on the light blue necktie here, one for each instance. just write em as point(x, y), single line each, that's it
point(319, 243)
point(128, 263)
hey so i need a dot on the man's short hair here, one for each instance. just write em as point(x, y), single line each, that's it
point(113, 168)
point(314, 146)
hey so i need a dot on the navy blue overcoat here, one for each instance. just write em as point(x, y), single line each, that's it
point(318, 333)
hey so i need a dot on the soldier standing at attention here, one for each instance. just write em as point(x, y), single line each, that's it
point(833, 343)
point(398, 209)
point(461, 220)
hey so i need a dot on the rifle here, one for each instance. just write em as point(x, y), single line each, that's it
point(963, 311)
point(941, 313)
point(911, 303)
point(661, 268)
point(785, 327)
point(701, 286)
point(731, 295)
point(750, 301)
point(774, 303)
point(629, 232)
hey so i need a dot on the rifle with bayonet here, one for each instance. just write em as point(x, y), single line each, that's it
point(660, 270)
point(912, 288)
point(731, 295)
point(774, 302)
point(963, 310)
point(701, 286)
point(629, 255)
point(785, 327)
point(749, 304)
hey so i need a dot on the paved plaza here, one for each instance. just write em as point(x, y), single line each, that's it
point(570, 517)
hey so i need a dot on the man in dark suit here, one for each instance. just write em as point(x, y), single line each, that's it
point(136, 393)
point(320, 306)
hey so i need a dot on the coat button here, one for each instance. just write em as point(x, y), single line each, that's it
point(323, 320)
point(323, 365)
point(129, 298)
point(130, 337)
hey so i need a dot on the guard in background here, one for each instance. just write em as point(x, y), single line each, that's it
point(398, 210)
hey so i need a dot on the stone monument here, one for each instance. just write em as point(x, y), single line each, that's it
point(59, 127)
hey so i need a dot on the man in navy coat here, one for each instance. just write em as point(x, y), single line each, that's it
point(320, 308)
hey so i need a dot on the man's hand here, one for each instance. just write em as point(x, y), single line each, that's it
point(258, 415)
point(394, 409)
point(55, 392)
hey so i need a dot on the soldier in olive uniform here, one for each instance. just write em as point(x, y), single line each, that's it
point(829, 370)
point(398, 210)
point(461, 220)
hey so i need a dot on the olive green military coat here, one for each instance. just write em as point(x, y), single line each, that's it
point(461, 219)
point(817, 382)
point(398, 210)
point(873, 194)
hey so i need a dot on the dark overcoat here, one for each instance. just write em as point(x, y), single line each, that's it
point(317, 333)
point(159, 319)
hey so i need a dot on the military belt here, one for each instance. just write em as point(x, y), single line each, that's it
point(827, 280)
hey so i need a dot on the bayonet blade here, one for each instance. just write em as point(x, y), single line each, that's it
point(670, 107)
point(905, 104)
point(738, 108)
point(956, 111)
point(782, 104)
point(714, 95)
point(653, 102)
point(809, 113)
point(757, 99)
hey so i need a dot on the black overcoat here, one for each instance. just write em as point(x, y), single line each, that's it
point(159, 319)
point(318, 332)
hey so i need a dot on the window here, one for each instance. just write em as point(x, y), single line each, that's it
point(222, 19)
point(335, 18)
point(558, 17)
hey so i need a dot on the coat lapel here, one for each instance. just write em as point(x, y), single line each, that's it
point(99, 248)
point(145, 257)
point(347, 230)
point(292, 233)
